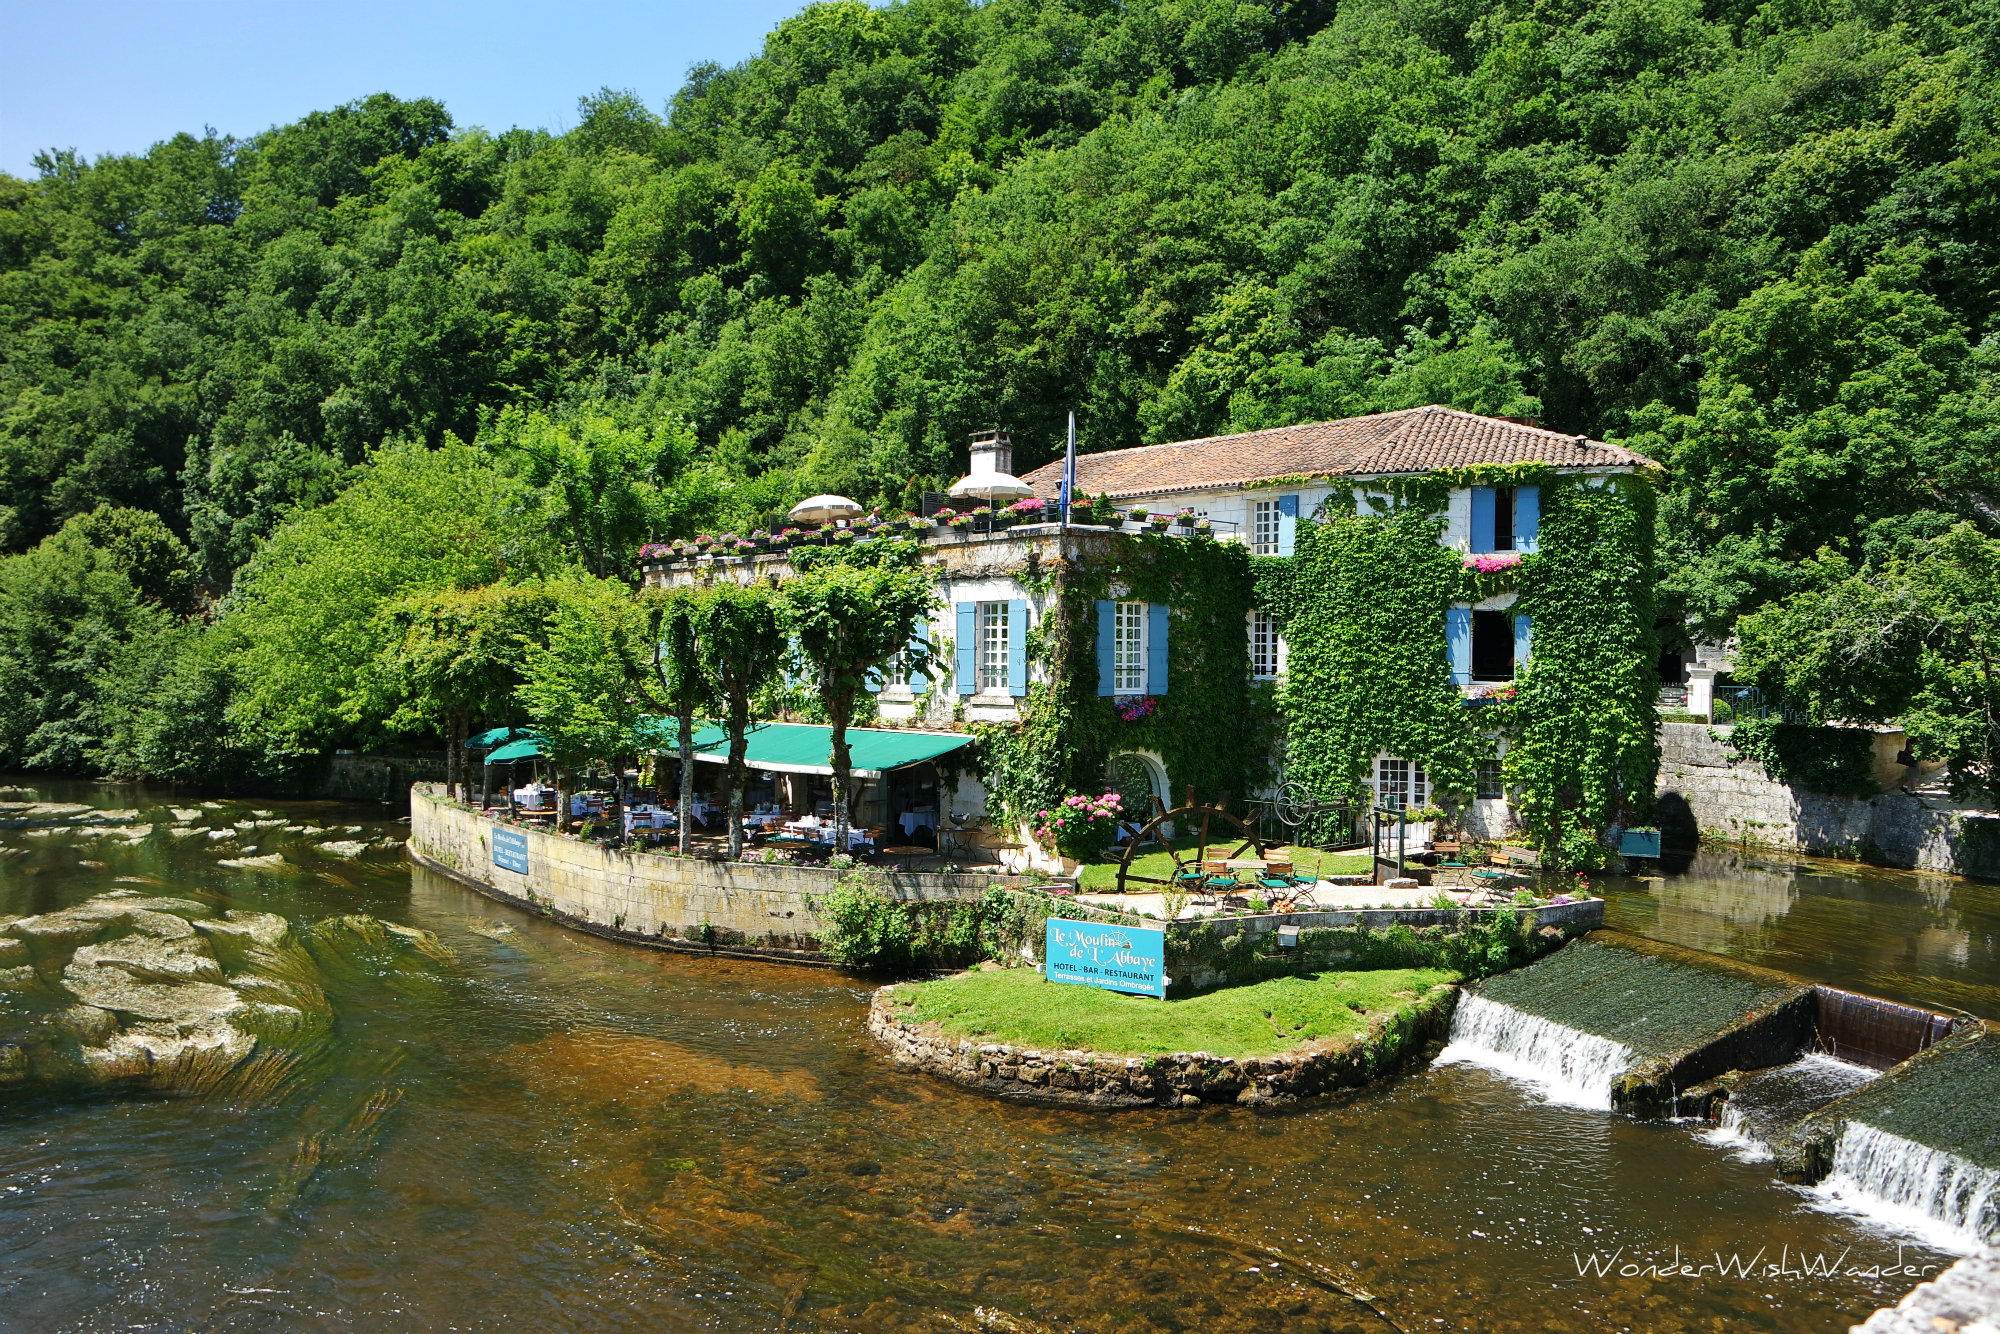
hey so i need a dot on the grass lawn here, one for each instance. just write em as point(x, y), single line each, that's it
point(1102, 877)
point(1015, 1005)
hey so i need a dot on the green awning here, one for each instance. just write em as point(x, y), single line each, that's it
point(497, 736)
point(803, 748)
point(527, 748)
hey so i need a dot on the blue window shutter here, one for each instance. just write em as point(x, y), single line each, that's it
point(1017, 648)
point(1107, 648)
point(873, 681)
point(968, 647)
point(1156, 648)
point(1288, 523)
point(1458, 634)
point(1527, 516)
point(1524, 634)
point(921, 640)
point(1482, 520)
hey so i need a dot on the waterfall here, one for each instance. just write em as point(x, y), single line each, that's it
point(1950, 1202)
point(1767, 1103)
point(1732, 1132)
point(1568, 1065)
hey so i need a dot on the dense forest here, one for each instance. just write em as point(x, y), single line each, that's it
point(253, 390)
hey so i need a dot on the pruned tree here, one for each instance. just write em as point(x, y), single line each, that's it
point(740, 634)
point(848, 621)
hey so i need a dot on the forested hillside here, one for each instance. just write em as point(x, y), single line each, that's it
point(1761, 243)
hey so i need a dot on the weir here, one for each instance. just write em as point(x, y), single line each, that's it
point(1676, 1018)
point(1885, 1109)
point(1920, 1145)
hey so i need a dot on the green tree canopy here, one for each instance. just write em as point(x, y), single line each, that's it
point(847, 621)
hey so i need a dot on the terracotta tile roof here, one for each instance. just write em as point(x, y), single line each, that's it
point(1415, 440)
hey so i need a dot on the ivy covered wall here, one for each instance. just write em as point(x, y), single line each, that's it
point(1364, 602)
point(1213, 728)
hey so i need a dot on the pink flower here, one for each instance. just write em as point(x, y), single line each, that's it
point(1491, 564)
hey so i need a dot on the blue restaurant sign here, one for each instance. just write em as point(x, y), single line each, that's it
point(1117, 958)
point(510, 850)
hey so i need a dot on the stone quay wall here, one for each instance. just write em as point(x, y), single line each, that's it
point(1085, 1079)
point(1708, 791)
point(649, 898)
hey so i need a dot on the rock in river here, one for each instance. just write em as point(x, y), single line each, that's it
point(159, 994)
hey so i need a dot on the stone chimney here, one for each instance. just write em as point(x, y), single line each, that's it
point(992, 451)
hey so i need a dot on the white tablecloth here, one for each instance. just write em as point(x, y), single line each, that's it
point(910, 820)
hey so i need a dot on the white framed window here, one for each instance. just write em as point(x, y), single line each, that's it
point(896, 671)
point(993, 645)
point(1130, 649)
point(1264, 528)
point(1400, 785)
point(1266, 655)
point(1490, 787)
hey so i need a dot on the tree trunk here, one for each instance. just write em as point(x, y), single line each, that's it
point(687, 776)
point(739, 744)
point(564, 783)
point(840, 709)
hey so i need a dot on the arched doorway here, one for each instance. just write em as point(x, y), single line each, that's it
point(1138, 777)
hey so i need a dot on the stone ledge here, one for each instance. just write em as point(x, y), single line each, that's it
point(1088, 1081)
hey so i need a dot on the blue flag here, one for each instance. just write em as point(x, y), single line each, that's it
point(1067, 497)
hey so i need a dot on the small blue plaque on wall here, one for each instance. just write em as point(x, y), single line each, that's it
point(510, 850)
point(1116, 958)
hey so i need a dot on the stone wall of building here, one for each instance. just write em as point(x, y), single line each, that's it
point(1709, 792)
point(647, 897)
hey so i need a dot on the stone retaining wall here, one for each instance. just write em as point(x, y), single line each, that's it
point(1708, 791)
point(648, 897)
point(1184, 1079)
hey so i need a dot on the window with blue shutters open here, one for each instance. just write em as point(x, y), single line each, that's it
point(1485, 645)
point(993, 647)
point(1132, 648)
point(1505, 518)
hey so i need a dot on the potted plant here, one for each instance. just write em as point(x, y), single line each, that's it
point(1185, 519)
point(917, 523)
point(1079, 827)
point(843, 535)
point(1139, 514)
point(782, 541)
point(1157, 522)
point(960, 524)
point(1030, 510)
point(944, 517)
point(1202, 528)
point(982, 518)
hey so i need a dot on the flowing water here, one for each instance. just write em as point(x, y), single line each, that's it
point(1934, 1194)
point(1768, 1103)
point(562, 1133)
point(1566, 1064)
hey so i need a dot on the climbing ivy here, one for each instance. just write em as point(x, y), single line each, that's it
point(1584, 750)
point(1212, 729)
point(1364, 620)
point(1364, 601)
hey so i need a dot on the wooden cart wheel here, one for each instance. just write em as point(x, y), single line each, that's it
point(1196, 830)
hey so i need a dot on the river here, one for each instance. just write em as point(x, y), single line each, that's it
point(562, 1133)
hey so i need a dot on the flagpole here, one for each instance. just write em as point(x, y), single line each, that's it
point(1069, 472)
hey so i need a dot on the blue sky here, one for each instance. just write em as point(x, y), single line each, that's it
point(106, 77)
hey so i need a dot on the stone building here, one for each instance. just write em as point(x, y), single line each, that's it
point(997, 588)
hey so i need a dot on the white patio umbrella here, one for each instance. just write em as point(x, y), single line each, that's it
point(995, 488)
point(825, 509)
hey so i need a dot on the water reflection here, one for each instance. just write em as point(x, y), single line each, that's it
point(1909, 936)
point(563, 1133)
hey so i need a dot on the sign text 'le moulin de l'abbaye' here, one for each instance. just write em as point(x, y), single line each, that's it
point(1117, 958)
